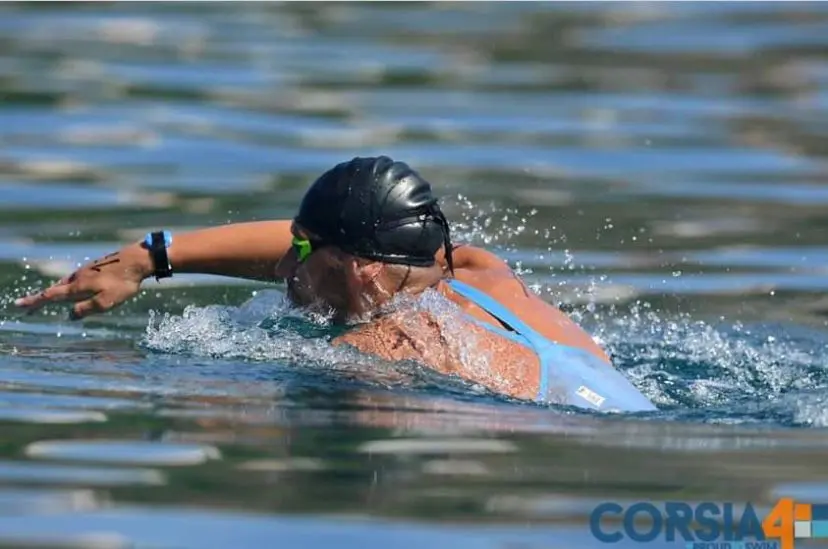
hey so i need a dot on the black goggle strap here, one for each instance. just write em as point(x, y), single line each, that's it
point(441, 219)
point(432, 210)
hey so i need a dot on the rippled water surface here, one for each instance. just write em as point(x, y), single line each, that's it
point(658, 169)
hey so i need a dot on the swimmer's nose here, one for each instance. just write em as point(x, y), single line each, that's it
point(286, 267)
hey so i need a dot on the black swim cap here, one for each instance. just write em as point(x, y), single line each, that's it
point(378, 209)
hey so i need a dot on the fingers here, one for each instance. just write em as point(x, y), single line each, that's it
point(66, 289)
point(53, 294)
point(95, 305)
point(92, 289)
point(68, 279)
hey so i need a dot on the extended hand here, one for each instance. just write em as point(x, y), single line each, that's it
point(97, 286)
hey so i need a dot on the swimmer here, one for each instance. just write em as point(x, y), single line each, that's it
point(369, 234)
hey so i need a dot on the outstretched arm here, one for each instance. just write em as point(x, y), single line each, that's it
point(249, 250)
point(244, 250)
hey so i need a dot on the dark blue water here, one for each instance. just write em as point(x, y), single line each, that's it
point(656, 169)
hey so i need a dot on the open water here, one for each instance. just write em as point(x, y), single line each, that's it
point(657, 169)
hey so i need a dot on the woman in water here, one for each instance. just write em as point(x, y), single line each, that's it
point(368, 238)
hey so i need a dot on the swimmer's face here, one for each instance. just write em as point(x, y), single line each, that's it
point(319, 275)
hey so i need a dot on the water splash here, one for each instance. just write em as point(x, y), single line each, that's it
point(250, 331)
point(491, 225)
point(728, 373)
point(267, 328)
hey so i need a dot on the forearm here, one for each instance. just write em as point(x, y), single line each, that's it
point(244, 250)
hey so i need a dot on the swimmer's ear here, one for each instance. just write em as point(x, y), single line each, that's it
point(369, 271)
point(353, 270)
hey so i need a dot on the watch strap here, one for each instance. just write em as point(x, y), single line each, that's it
point(157, 243)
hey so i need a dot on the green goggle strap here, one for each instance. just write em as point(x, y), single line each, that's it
point(303, 247)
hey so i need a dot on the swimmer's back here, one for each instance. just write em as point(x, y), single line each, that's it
point(529, 349)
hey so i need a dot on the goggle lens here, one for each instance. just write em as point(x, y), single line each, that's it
point(302, 247)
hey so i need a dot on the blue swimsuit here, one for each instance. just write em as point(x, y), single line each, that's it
point(568, 375)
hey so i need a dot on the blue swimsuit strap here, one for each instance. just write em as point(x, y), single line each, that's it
point(498, 310)
point(525, 334)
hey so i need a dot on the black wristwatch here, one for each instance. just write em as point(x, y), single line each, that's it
point(157, 243)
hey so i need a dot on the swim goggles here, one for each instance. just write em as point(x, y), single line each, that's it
point(304, 247)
